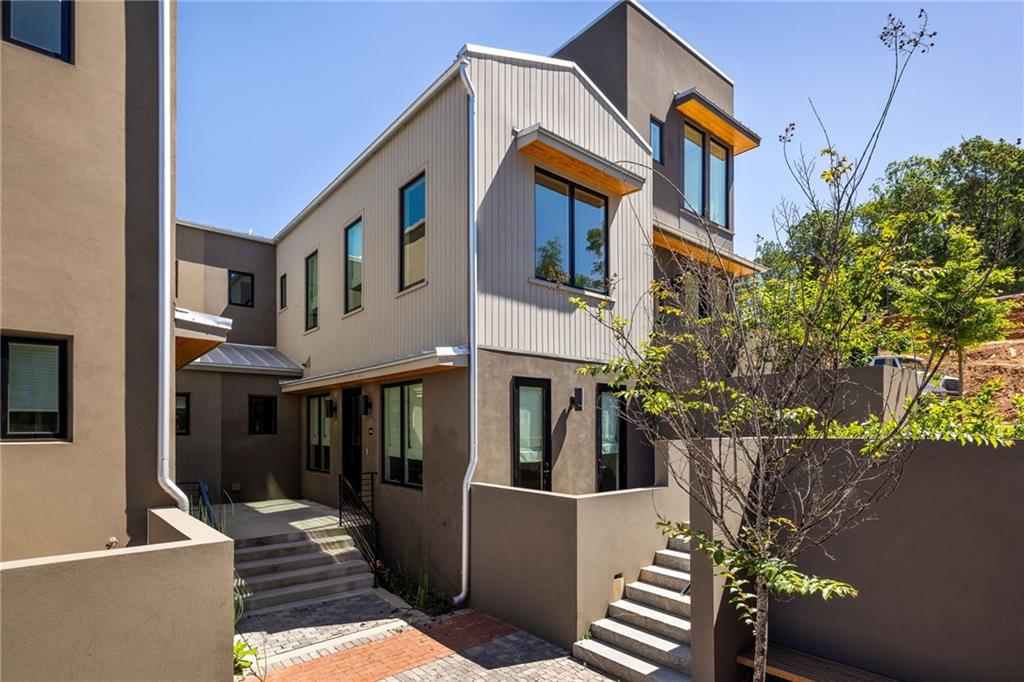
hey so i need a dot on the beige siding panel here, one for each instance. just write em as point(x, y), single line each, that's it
point(516, 314)
point(389, 325)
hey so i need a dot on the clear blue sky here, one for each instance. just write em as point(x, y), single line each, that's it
point(275, 98)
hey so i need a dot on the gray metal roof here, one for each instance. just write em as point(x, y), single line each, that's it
point(240, 357)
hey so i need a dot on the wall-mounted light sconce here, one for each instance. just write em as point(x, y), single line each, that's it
point(577, 399)
point(367, 404)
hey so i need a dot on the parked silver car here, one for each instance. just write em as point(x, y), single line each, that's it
point(942, 385)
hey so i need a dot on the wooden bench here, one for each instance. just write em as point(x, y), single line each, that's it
point(796, 666)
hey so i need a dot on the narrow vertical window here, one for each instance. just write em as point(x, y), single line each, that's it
point(413, 255)
point(589, 248)
point(312, 292)
point(34, 388)
point(318, 448)
point(240, 288)
point(531, 428)
point(611, 450)
point(551, 228)
point(182, 414)
point(283, 292)
point(40, 25)
point(693, 170)
point(656, 147)
point(718, 183)
point(403, 433)
point(354, 266)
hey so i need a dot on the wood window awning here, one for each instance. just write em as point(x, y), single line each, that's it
point(195, 334)
point(713, 119)
point(576, 163)
point(689, 248)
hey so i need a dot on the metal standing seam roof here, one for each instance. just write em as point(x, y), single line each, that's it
point(240, 357)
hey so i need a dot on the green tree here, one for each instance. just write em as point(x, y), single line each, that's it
point(953, 306)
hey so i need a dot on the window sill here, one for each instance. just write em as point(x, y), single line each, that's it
point(311, 330)
point(14, 440)
point(352, 312)
point(575, 291)
point(411, 288)
point(690, 215)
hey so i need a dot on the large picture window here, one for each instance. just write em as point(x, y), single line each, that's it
point(312, 292)
point(570, 233)
point(531, 429)
point(34, 379)
point(318, 434)
point(413, 254)
point(403, 433)
point(706, 165)
point(41, 25)
point(354, 266)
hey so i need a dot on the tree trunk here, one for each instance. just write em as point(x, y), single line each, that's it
point(761, 631)
point(960, 370)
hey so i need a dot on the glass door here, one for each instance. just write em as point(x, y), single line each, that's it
point(531, 429)
point(611, 450)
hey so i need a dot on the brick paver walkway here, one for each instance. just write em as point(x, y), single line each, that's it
point(374, 636)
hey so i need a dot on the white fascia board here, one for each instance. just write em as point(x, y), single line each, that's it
point(471, 50)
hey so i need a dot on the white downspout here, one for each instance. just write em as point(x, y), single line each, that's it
point(166, 230)
point(473, 348)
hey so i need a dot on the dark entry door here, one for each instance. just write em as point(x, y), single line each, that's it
point(352, 437)
point(611, 441)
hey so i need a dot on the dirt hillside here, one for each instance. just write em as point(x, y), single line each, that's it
point(1001, 359)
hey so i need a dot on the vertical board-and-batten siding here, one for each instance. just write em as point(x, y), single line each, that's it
point(389, 326)
point(515, 314)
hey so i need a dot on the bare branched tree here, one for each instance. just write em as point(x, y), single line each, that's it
point(749, 375)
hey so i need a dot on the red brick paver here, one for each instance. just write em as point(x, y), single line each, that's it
point(402, 652)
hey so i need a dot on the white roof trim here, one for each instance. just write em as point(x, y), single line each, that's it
point(224, 230)
point(496, 53)
point(215, 323)
point(442, 355)
point(660, 24)
point(377, 143)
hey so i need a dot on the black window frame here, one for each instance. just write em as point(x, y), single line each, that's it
point(252, 288)
point(188, 414)
point(571, 275)
point(273, 415)
point(358, 221)
point(533, 382)
point(402, 430)
point(623, 482)
point(402, 284)
point(658, 152)
point(63, 401)
point(282, 291)
point(316, 321)
point(325, 461)
point(67, 32)
point(706, 139)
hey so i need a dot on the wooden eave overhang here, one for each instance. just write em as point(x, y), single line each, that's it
point(196, 334)
point(712, 118)
point(437, 360)
point(678, 243)
point(576, 163)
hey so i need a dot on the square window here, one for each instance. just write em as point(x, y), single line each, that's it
point(34, 388)
point(240, 288)
point(41, 25)
point(262, 415)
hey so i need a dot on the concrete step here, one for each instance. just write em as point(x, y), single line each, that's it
point(317, 534)
point(256, 552)
point(668, 578)
point(666, 652)
point(320, 588)
point(658, 597)
point(299, 576)
point(624, 665)
point(670, 558)
point(651, 619)
point(678, 544)
point(291, 562)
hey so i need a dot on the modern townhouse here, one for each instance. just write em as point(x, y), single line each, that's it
point(100, 576)
point(425, 295)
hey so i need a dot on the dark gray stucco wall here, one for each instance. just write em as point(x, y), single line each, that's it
point(601, 52)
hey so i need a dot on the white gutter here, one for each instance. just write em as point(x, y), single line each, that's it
point(474, 354)
point(166, 229)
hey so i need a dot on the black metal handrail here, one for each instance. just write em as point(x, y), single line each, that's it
point(357, 517)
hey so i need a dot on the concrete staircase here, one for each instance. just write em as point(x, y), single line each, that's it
point(646, 635)
point(298, 567)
